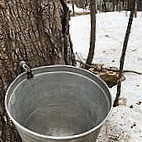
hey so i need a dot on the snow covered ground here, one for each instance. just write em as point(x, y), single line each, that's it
point(125, 122)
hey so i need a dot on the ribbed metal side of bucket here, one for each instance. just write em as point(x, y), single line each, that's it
point(80, 103)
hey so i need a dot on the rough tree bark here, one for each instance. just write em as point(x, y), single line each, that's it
point(36, 31)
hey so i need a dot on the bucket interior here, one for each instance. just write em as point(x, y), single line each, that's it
point(58, 103)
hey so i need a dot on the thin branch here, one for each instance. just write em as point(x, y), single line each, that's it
point(92, 32)
point(122, 59)
point(139, 73)
point(92, 66)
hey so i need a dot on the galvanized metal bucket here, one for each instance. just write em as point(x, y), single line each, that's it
point(59, 104)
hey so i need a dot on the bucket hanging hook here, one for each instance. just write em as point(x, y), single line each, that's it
point(27, 69)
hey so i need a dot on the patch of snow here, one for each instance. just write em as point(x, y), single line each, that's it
point(124, 124)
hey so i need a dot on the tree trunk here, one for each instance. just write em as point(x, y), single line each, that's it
point(139, 3)
point(93, 32)
point(73, 10)
point(35, 31)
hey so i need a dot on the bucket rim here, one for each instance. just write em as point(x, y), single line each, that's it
point(33, 133)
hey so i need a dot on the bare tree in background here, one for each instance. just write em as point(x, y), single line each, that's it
point(73, 9)
point(124, 49)
point(37, 32)
point(93, 32)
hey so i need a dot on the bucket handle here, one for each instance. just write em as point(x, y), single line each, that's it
point(27, 69)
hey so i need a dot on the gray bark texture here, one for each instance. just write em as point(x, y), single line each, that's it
point(35, 31)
